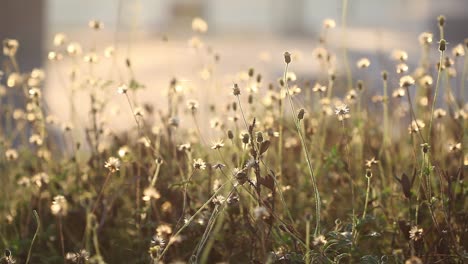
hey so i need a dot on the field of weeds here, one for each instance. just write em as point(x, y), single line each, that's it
point(325, 168)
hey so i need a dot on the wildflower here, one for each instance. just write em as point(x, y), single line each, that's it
point(455, 147)
point(79, 257)
point(401, 68)
point(7, 258)
point(185, 147)
point(150, 193)
point(192, 105)
point(416, 126)
point(54, 56)
point(122, 89)
point(36, 140)
point(400, 55)
point(426, 80)
point(406, 81)
point(329, 23)
point(363, 63)
point(319, 88)
point(399, 92)
point(162, 230)
point(91, 58)
point(320, 240)
point(109, 52)
point(11, 154)
point(10, 47)
point(439, 113)
point(40, 179)
point(124, 151)
point(416, 233)
point(112, 164)
point(74, 49)
point(425, 147)
point(371, 162)
point(320, 53)
point(425, 38)
point(95, 24)
point(195, 43)
point(218, 144)
point(458, 51)
point(14, 79)
point(218, 200)
point(59, 206)
point(351, 95)
point(59, 39)
point(199, 25)
point(342, 111)
point(199, 164)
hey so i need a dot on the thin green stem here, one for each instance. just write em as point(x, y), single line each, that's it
point(306, 153)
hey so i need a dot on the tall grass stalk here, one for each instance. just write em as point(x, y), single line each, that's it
point(306, 152)
point(38, 227)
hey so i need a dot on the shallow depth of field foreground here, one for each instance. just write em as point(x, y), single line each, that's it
point(187, 147)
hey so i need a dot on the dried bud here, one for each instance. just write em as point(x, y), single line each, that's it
point(287, 57)
point(442, 45)
point(368, 173)
point(259, 78)
point(251, 72)
point(441, 20)
point(384, 75)
point(236, 90)
point(245, 138)
point(425, 147)
point(360, 85)
point(230, 134)
point(301, 113)
point(259, 137)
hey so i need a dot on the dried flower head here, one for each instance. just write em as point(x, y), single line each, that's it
point(80, 257)
point(416, 233)
point(199, 164)
point(458, 51)
point(10, 47)
point(425, 38)
point(439, 113)
point(400, 55)
point(342, 111)
point(59, 206)
point(122, 89)
point(363, 63)
point(112, 164)
point(95, 24)
point(329, 23)
point(199, 25)
point(455, 147)
point(11, 154)
point(371, 162)
point(399, 92)
point(217, 144)
point(406, 81)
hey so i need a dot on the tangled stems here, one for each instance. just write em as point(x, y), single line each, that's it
point(306, 153)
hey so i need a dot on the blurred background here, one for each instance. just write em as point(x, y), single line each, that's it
point(154, 34)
